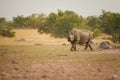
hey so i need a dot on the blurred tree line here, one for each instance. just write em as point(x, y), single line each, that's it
point(5, 28)
point(58, 23)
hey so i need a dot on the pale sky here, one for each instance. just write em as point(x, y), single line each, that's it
point(12, 8)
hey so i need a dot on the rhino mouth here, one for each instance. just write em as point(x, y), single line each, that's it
point(69, 39)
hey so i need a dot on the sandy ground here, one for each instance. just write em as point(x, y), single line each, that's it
point(31, 37)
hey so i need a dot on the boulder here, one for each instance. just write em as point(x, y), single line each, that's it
point(105, 45)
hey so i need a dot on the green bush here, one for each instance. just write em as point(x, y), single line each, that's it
point(7, 32)
point(97, 32)
point(116, 37)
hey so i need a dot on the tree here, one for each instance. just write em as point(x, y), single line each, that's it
point(35, 20)
point(20, 21)
point(3, 22)
point(94, 23)
point(111, 24)
point(58, 23)
point(65, 21)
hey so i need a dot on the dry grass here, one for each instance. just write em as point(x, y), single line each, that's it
point(31, 37)
point(103, 37)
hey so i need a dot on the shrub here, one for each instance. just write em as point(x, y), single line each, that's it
point(116, 38)
point(7, 32)
point(96, 33)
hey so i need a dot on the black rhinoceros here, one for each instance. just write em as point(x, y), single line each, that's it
point(76, 36)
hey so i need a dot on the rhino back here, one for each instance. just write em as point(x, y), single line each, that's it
point(82, 36)
point(76, 34)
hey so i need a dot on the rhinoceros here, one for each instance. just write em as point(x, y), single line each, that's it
point(76, 36)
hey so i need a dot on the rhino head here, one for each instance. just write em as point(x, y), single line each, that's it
point(70, 36)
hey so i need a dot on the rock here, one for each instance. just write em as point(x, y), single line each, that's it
point(64, 44)
point(70, 78)
point(25, 76)
point(37, 44)
point(88, 65)
point(62, 55)
point(15, 61)
point(21, 40)
point(105, 45)
point(3, 74)
point(16, 68)
point(17, 76)
point(114, 77)
point(44, 76)
point(99, 70)
point(27, 71)
point(1, 55)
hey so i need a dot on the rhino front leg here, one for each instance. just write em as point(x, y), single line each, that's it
point(73, 48)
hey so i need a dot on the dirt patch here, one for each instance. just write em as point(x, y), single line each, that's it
point(65, 70)
point(109, 51)
point(58, 71)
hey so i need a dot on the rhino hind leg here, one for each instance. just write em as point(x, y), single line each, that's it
point(90, 47)
point(86, 46)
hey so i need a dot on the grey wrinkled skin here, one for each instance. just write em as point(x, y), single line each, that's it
point(76, 36)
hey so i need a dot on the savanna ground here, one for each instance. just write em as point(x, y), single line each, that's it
point(33, 56)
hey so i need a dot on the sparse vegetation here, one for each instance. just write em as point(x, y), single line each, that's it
point(57, 23)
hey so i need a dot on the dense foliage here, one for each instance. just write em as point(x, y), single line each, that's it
point(107, 22)
point(5, 28)
point(58, 23)
point(7, 32)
